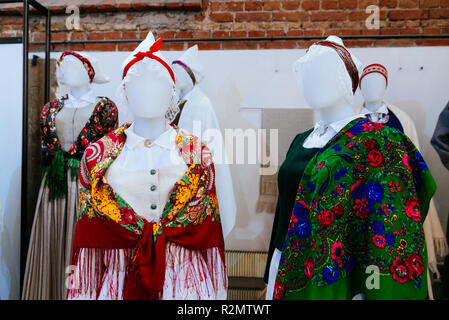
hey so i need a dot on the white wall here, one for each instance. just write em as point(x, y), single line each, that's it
point(10, 168)
point(248, 80)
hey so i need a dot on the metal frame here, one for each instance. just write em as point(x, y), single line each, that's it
point(24, 183)
point(284, 38)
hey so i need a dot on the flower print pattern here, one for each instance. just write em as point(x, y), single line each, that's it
point(103, 120)
point(365, 209)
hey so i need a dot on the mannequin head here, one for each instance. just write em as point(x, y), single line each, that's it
point(72, 73)
point(183, 81)
point(373, 84)
point(188, 71)
point(147, 90)
point(323, 78)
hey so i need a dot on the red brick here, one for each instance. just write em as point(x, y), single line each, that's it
point(126, 46)
point(370, 32)
point(220, 34)
point(238, 34)
point(184, 34)
point(431, 30)
point(78, 36)
point(409, 31)
point(95, 36)
point(439, 13)
point(388, 3)
point(253, 5)
point(359, 43)
point(216, 6)
point(390, 31)
point(275, 33)
point(408, 14)
point(209, 45)
point(234, 6)
point(59, 36)
point(350, 32)
point(252, 16)
point(221, 17)
point(408, 4)
point(290, 5)
point(37, 36)
point(280, 44)
point(256, 33)
point(348, 4)
point(310, 5)
point(201, 34)
point(329, 4)
point(173, 46)
point(313, 33)
point(295, 33)
point(101, 46)
point(429, 3)
point(272, 5)
point(358, 15)
point(432, 42)
point(113, 35)
point(129, 35)
point(106, 5)
point(394, 43)
point(290, 16)
point(166, 34)
point(328, 16)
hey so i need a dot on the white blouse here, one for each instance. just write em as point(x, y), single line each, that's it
point(144, 174)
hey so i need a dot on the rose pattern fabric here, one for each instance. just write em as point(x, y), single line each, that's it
point(362, 201)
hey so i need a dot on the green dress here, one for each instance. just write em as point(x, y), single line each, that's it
point(357, 221)
point(290, 173)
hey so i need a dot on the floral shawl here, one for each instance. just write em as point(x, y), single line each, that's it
point(357, 222)
point(190, 218)
point(56, 161)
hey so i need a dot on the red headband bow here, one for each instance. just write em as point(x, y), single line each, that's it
point(86, 63)
point(150, 54)
point(375, 67)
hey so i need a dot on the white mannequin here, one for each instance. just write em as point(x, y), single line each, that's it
point(198, 118)
point(81, 99)
point(149, 96)
point(373, 89)
point(74, 76)
point(144, 174)
point(184, 83)
point(327, 88)
point(330, 96)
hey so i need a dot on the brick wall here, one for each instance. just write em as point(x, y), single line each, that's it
point(220, 22)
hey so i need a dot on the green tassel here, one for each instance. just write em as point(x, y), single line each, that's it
point(57, 176)
point(74, 165)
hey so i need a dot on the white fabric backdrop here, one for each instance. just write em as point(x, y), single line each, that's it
point(10, 168)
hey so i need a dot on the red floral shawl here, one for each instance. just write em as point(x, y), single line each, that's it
point(190, 218)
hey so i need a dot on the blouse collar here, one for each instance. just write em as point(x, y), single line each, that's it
point(165, 140)
point(86, 99)
point(382, 109)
